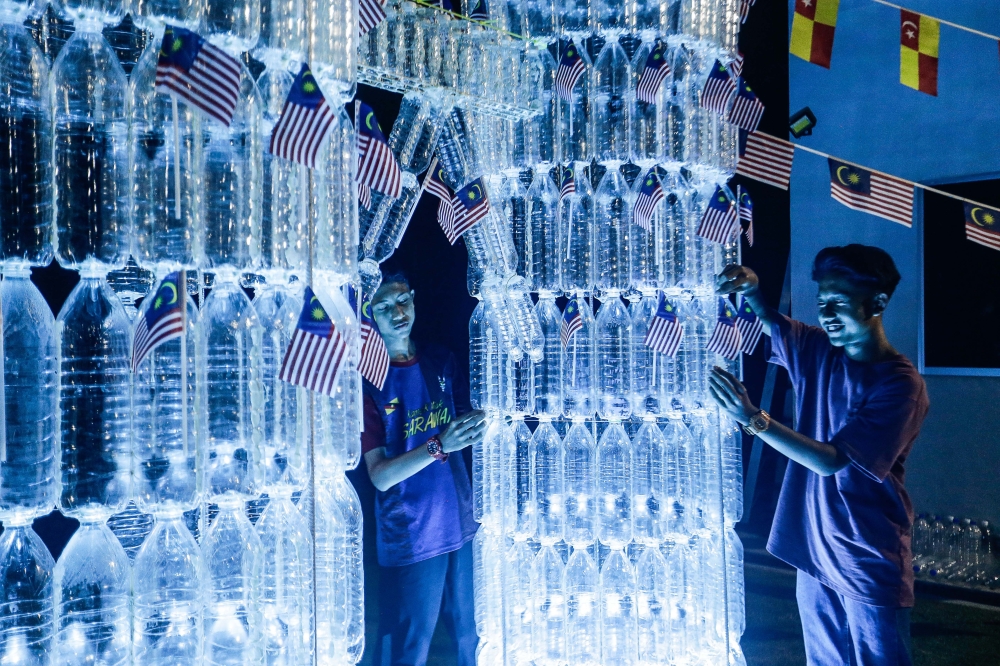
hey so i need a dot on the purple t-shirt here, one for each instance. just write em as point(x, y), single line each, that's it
point(430, 513)
point(850, 530)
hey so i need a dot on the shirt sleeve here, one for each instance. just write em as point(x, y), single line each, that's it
point(885, 424)
point(793, 344)
point(373, 435)
point(459, 387)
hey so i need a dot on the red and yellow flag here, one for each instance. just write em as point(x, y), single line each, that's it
point(918, 51)
point(812, 30)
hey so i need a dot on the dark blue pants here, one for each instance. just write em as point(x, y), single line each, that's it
point(839, 631)
point(412, 597)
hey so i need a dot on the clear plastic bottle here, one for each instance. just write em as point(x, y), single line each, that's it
point(92, 599)
point(675, 226)
point(30, 375)
point(613, 224)
point(350, 507)
point(519, 398)
point(234, 569)
point(282, 42)
point(487, 554)
point(653, 608)
point(731, 445)
point(649, 123)
point(456, 148)
point(541, 144)
point(549, 485)
point(699, 136)
point(233, 390)
point(610, 99)
point(580, 454)
point(614, 358)
point(693, 359)
point(415, 131)
point(679, 486)
point(583, 610)
point(518, 601)
point(131, 527)
point(614, 487)
point(153, 15)
point(335, 204)
point(573, 130)
point(26, 131)
point(512, 207)
point(96, 452)
point(168, 584)
point(548, 381)
point(548, 630)
point(27, 613)
point(525, 516)
point(577, 235)
point(579, 367)
point(652, 371)
point(735, 588)
point(91, 173)
point(333, 35)
point(545, 261)
point(501, 318)
point(529, 331)
point(649, 485)
point(383, 225)
point(232, 25)
point(618, 612)
point(330, 576)
point(478, 356)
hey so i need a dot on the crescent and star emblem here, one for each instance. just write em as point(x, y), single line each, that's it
point(912, 32)
point(987, 221)
point(366, 309)
point(850, 176)
point(368, 119)
point(478, 192)
point(173, 290)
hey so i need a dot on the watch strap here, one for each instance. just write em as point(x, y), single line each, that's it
point(434, 448)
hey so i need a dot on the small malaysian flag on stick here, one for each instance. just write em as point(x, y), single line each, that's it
point(746, 213)
point(377, 166)
point(745, 6)
point(725, 338)
point(370, 14)
point(871, 192)
point(982, 225)
point(650, 195)
point(736, 66)
point(374, 361)
point(720, 221)
point(470, 205)
point(305, 122)
point(162, 320)
point(719, 87)
point(653, 75)
point(316, 351)
point(567, 181)
point(747, 109)
point(571, 68)
point(766, 158)
point(446, 209)
point(200, 74)
point(665, 331)
point(749, 325)
point(572, 322)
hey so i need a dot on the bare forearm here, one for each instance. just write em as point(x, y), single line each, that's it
point(386, 472)
point(820, 457)
point(764, 312)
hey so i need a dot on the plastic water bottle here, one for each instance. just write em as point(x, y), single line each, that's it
point(163, 240)
point(653, 372)
point(613, 223)
point(679, 486)
point(513, 208)
point(232, 25)
point(574, 114)
point(525, 516)
point(529, 331)
point(520, 384)
point(735, 588)
point(541, 19)
point(500, 316)
point(478, 357)
point(614, 487)
point(26, 615)
point(731, 445)
point(333, 36)
point(580, 454)
point(693, 359)
point(382, 226)
point(456, 149)
point(96, 447)
point(282, 42)
point(28, 461)
point(350, 506)
point(233, 389)
point(152, 15)
point(487, 553)
point(548, 630)
point(518, 601)
point(335, 206)
point(703, 138)
point(610, 99)
point(415, 131)
point(548, 381)
point(92, 614)
point(168, 595)
point(618, 611)
point(577, 235)
point(330, 576)
point(579, 367)
point(649, 485)
point(541, 145)
point(583, 610)
point(614, 358)
point(649, 123)
point(544, 262)
point(131, 527)
point(26, 130)
point(652, 608)
point(647, 248)
point(88, 91)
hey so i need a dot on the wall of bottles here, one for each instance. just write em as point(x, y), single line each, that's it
point(956, 551)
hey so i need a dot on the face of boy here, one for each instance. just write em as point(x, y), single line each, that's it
point(848, 313)
point(393, 310)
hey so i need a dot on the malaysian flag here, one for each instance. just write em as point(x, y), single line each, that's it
point(747, 109)
point(377, 166)
point(736, 66)
point(199, 73)
point(745, 6)
point(766, 158)
point(982, 225)
point(571, 322)
point(314, 355)
point(370, 14)
point(364, 196)
point(305, 122)
point(446, 210)
point(872, 192)
point(374, 361)
point(657, 69)
point(719, 87)
point(746, 213)
point(725, 338)
point(480, 12)
point(471, 205)
point(665, 331)
point(650, 194)
point(749, 325)
point(567, 181)
point(571, 68)
point(162, 320)
point(720, 220)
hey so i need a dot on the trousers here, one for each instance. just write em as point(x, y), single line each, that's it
point(412, 597)
point(839, 631)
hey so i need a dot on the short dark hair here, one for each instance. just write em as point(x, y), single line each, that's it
point(395, 274)
point(864, 265)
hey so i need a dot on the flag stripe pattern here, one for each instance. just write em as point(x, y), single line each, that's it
point(767, 159)
point(567, 183)
point(373, 363)
point(725, 338)
point(198, 73)
point(370, 14)
point(446, 207)
point(750, 327)
point(736, 66)
point(982, 225)
point(364, 196)
point(377, 166)
point(746, 213)
point(720, 220)
point(571, 68)
point(650, 195)
point(719, 87)
point(470, 204)
point(885, 196)
point(316, 351)
point(665, 331)
point(571, 322)
point(747, 109)
point(657, 69)
point(162, 321)
point(305, 122)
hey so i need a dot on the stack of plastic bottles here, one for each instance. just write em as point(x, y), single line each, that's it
point(955, 551)
point(608, 484)
point(164, 464)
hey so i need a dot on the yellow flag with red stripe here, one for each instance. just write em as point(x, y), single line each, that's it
point(919, 37)
point(812, 30)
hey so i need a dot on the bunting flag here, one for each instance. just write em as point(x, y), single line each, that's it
point(982, 225)
point(725, 338)
point(719, 221)
point(571, 322)
point(305, 122)
point(719, 87)
point(650, 194)
point(749, 325)
point(571, 68)
point(471, 205)
point(812, 30)
point(317, 348)
point(480, 12)
point(373, 363)
point(665, 331)
point(446, 208)
point(656, 70)
point(736, 66)
point(200, 74)
point(377, 166)
point(370, 14)
point(163, 320)
point(871, 192)
point(918, 51)
point(747, 109)
point(766, 158)
point(567, 182)
point(745, 205)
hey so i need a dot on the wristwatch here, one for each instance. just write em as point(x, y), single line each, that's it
point(758, 423)
point(434, 448)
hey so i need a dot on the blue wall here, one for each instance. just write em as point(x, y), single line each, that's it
point(866, 116)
